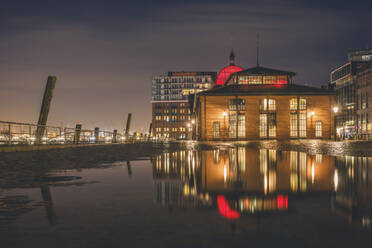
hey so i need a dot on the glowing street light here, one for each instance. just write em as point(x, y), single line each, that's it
point(312, 113)
point(224, 113)
point(193, 121)
point(335, 110)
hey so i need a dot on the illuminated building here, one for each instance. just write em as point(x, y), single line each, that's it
point(225, 72)
point(171, 114)
point(343, 81)
point(263, 103)
point(363, 85)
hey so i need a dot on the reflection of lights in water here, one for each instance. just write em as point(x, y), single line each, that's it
point(224, 173)
point(312, 173)
point(366, 221)
point(225, 210)
point(265, 184)
point(335, 180)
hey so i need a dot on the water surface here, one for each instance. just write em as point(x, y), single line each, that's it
point(196, 198)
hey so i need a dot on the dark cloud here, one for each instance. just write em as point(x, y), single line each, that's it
point(105, 53)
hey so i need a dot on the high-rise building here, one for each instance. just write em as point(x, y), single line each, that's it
point(171, 113)
point(343, 82)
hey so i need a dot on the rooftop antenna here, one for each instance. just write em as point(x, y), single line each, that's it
point(258, 46)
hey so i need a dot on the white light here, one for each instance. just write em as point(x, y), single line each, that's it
point(188, 125)
point(335, 109)
point(312, 113)
point(312, 173)
point(224, 173)
point(335, 180)
point(224, 113)
point(193, 121)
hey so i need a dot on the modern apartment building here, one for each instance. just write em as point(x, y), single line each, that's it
point(343, 81)
point(171, 113)
point(363, 86)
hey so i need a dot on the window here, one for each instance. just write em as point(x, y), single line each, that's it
point(298, 117)
point(318, 129)
point(302, 125)
point(293, 104)
point(271, 119)
point(237, 118)
point(216, 129)
point(241, 126)
point(267, 118)
point(302, 104)
point(237, 104)
point(232, 125)
point(293, 125)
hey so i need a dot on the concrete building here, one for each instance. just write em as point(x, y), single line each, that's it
point(171, 114)
point(263, 103)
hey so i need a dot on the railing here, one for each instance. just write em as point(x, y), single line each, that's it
point(25, 133)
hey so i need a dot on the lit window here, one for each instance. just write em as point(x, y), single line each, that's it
point(293, 104)
point(293, 125)
point(318, 129)
point(298, 117)
point(267, 118)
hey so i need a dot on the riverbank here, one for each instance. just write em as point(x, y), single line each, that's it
point(332, 148)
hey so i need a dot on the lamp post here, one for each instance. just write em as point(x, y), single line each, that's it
point(335, 110)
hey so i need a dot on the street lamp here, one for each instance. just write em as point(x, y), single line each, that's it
point(335, 110)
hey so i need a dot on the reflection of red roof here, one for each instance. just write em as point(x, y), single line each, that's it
point(226, 72)
point(225, 210)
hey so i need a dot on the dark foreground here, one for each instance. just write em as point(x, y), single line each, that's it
point(264, 194)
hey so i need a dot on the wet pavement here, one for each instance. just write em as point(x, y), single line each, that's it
point(190, 196)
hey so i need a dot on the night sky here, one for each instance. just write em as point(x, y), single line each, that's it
point(105, 54)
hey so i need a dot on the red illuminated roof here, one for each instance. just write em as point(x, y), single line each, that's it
point(226, 72)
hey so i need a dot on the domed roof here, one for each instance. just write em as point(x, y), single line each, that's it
point(224, 74)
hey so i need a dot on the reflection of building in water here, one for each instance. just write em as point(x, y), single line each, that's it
point(174, 179)
point(352, 182)
point(265, 171)
point(239, 179)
